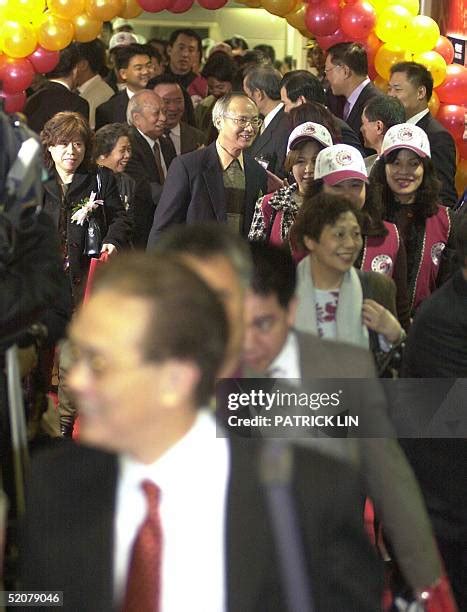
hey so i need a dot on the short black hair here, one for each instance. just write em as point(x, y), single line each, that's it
point(273, 272)
point(163, 79)
point(303, 83)
point(317, 212)
point(267, 50)
point(94, 53)
point(69, 58)
point(186, 32)
point(461, 241)
point(124, 54)
point(417, 74)
point(387, 109)
point(266, 79)
point(107, 137)
point(352, 55)
point(153, 52)
point(208, 240)
point(237, 42)
point(220, 66)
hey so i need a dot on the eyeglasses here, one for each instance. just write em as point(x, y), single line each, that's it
point(326, 72)
point(242, 122)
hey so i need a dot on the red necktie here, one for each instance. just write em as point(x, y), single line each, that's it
point(144, 575)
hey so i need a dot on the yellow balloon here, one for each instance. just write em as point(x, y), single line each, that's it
point(66, 9)
point(104, 10)
point(378, 5)
point(386, 56)
point(279, 7)
point(17, 39)
point(253, 3)
point(22, 11)
point(422, 34)
point(435, 63)
point(381, 84)
point(54, 33)
point(434, 103)
point(413, 6)
point(86, 28)
point(131, 9)
point(297, 17)
point(392, 23)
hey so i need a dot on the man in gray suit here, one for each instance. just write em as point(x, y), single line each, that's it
point(274, 349)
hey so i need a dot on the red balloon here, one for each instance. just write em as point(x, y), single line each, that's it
point(13, 103)
point(15, 74)
point(328, 41)
point(358, 20)
point(323, 19)
point(452, 89)
point(44, 60)
point(445, 48)
point(154, 6)
point(212, 5)
point(453, 119)
point(180, 6)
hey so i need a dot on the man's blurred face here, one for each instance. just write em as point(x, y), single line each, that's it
point(267, 325)
point(412, 97)
point(336, 75)
point(221, 276)
point(183, 54)
point(218, 88)
point(239, 125)
point(287, 102)
point(151, 118)
point(138, 73)
point(174, 102)
point(372, 132)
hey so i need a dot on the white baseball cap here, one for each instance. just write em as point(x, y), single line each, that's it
point(309, 131)
point(339, 163)
point(406, 136)
point(122, 39)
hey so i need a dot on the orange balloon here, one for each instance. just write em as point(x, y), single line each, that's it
point(297, 17)
point(461, 177)
point(54, 33)
point(435, 63)
point(279, 7)
point(65, 9)
point(434, 103)
point(131, 9)
point(104, 10)
point(17, 39)
point(381, 84)
point(86, 28)
point(386, 56)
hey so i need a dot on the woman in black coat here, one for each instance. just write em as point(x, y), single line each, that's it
point(78, 191)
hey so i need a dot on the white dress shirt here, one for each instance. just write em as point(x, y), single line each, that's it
point(287, 363)
point(175, 137)
point(354, 95)
point(416, 118)
point(193, 477)
point(151, 143)
point(270, 116)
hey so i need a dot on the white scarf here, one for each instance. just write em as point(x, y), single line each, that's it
point(350, 328)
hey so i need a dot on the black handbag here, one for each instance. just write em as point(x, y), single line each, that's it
point(93, 235)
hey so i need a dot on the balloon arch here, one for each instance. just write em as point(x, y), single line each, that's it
point(33, 31)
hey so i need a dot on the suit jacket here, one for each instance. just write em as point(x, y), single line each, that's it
point(112, 111)
point(272, 143)
point(194, 191)
point(96, 93)
point(443, 154)
point(190, 138)
point(67, 541)
point(50, 100)
point(354, 120)
point(350, 137)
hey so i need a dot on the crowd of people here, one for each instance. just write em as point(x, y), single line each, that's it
point(252, 224)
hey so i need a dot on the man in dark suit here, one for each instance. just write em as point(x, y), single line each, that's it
point(412, 83)
point(141, 379)
point(57, 94)
point(217, 183)
point(301, 87)
point(274, 348)
point(346, 70)
point(180, 137)
point(262, 85)
point(133, 65)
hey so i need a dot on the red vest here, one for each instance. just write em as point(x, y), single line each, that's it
point(380, 252)
point(437, 230)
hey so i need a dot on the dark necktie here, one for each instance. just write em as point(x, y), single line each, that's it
point(167, 148)
point(144, 575)
point(157, 155)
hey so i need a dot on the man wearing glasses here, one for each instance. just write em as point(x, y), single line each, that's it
point(216, 183)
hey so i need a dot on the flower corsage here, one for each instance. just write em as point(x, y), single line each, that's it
point(82, 210)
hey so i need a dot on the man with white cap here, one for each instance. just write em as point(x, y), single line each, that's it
point(275, 212)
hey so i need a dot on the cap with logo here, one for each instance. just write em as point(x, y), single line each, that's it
point(339, 163)
point(122, 39)
point(406, 136)
point(309, 131)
